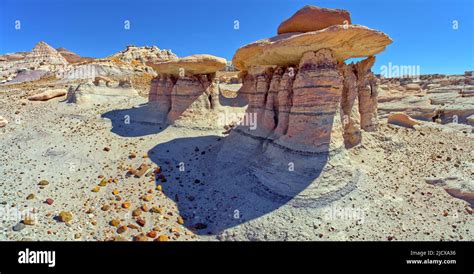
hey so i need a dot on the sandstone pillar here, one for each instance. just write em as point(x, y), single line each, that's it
point(160, 96)
point(367, 89)
point(285, 93)
point(349, 109)
point(317, 90)
point(186, 90)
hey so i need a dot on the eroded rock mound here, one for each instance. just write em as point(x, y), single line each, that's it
point(101, 90)
point(144, 55)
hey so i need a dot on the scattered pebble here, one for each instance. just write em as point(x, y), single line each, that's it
point(19, 227)
point(65, 216)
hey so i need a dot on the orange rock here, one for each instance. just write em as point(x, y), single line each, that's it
point(311, 18)
point(115, 222)
point(141, 170)
point(162, 238)
point(122, 229)
point(126, 204)
point(152, 234)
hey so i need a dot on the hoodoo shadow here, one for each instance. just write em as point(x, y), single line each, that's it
point(135, 121)
point(220, 182)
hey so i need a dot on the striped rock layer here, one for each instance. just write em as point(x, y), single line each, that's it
point(181, 97)
point(308, 107)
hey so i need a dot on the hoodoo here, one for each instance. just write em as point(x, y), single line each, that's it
point(186, 89)
point(300, 87)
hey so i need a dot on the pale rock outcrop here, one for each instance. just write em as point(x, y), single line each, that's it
point(311, 18)
point(144, 55)
point(349, 106)
point(402, 119)
point(100, 92)
point(367, 89)
point(47, 95)
point(442, 98)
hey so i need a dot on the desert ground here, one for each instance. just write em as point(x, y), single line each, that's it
point(73, 147)
point(286, 142)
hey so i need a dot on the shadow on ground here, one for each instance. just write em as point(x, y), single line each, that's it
point(135, 121)
point(218, 184)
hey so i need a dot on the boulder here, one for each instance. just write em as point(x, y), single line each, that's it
point(402, 119)
point(47, 95)
point(413, 87)
point(311, 18)
point(191, 65)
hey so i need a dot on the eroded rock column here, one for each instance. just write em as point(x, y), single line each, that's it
point(367, 89)
point(349, 109)
point(186, 92)
point(160, 96)
point(317, 90)
point(284, 102)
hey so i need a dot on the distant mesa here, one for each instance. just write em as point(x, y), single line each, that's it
point(43, 60)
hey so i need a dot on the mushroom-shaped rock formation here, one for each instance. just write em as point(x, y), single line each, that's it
point(346, 41)
point(302, 92)
point(311, 18)
point(194, 64)
point(186, 91)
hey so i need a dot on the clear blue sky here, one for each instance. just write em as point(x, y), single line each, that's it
point(422, 30)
